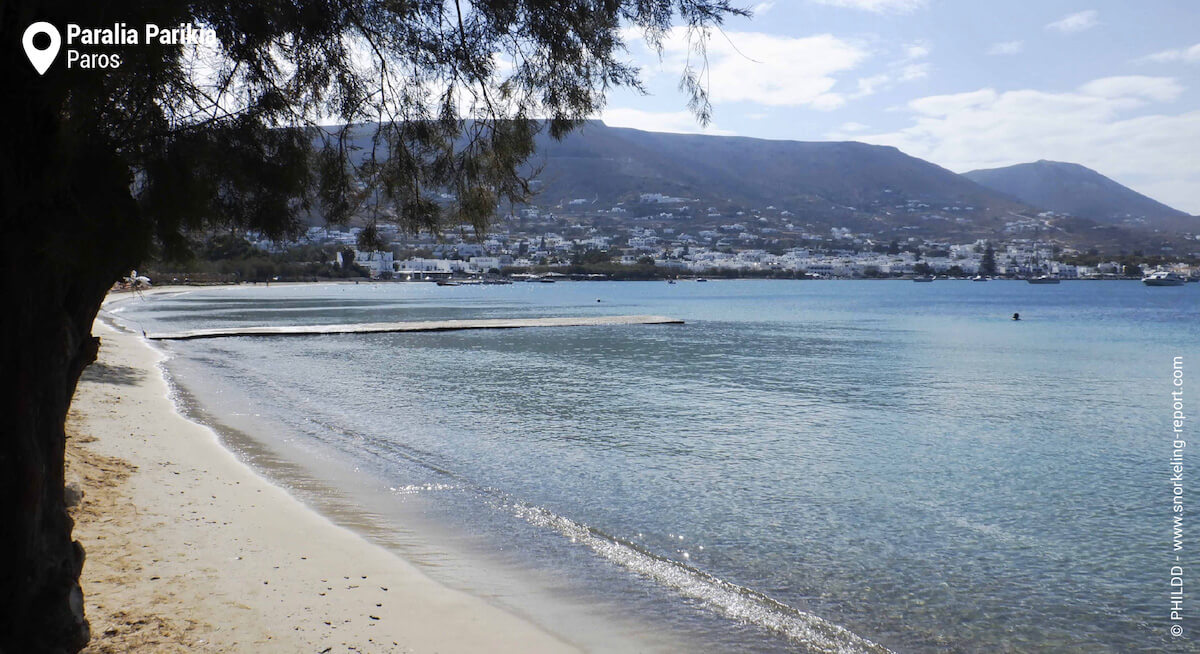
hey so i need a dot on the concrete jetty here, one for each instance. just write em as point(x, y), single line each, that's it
point(414, 326)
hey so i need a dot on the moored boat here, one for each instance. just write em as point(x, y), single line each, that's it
point(923, 278)
point(1043, 279)
point(1163, 278)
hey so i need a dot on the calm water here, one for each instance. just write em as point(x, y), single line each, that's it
point(803, 465)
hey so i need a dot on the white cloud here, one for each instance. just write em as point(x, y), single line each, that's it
point(1103, 125)
point(898, 74)
point(1187, 55)
point(1077, 22)
point(1007, 48)
point(1159, 89)
point(885, 81)
point(878, 6)
point(914, 71)
point(917, 50)
point(847, 131)
point(766, 69)
point(677, 122)
point(871, 85)
point(946, 105)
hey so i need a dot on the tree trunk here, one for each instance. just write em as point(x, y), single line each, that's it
point(69, 228)
point(48, 343)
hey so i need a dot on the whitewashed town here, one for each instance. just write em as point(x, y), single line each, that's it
point(759, 242)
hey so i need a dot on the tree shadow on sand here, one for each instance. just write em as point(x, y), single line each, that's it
point(105, 373)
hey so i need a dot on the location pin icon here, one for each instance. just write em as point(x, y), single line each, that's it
point(41, 59)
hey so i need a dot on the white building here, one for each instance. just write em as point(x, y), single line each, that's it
point(486, 264)
point(417, 264)
point(376, 262)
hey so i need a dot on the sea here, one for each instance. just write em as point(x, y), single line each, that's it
point(808, 466)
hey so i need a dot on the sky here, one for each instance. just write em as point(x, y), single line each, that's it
point(1110, 84)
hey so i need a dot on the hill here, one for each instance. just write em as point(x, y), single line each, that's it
point(1074, 189)
point(614, 164)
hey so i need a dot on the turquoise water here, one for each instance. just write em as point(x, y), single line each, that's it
point(900, 460)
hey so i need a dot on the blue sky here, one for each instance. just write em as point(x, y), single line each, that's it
point(1113, 85)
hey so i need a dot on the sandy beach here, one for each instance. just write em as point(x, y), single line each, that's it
point(188, 549)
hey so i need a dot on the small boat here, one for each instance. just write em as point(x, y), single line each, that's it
point(701, 279)
point(979, 278)
point(545, 280)
point(670, 281)
point(1163, 278)
point(1043, 279)
point(923, 278)
point(447, 282)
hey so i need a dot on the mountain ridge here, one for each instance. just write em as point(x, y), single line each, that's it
point(698, 182)
point(1074, 189)
point(746, 169)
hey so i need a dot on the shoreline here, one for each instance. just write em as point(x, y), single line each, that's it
point(189, 549)
point(363, 501)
